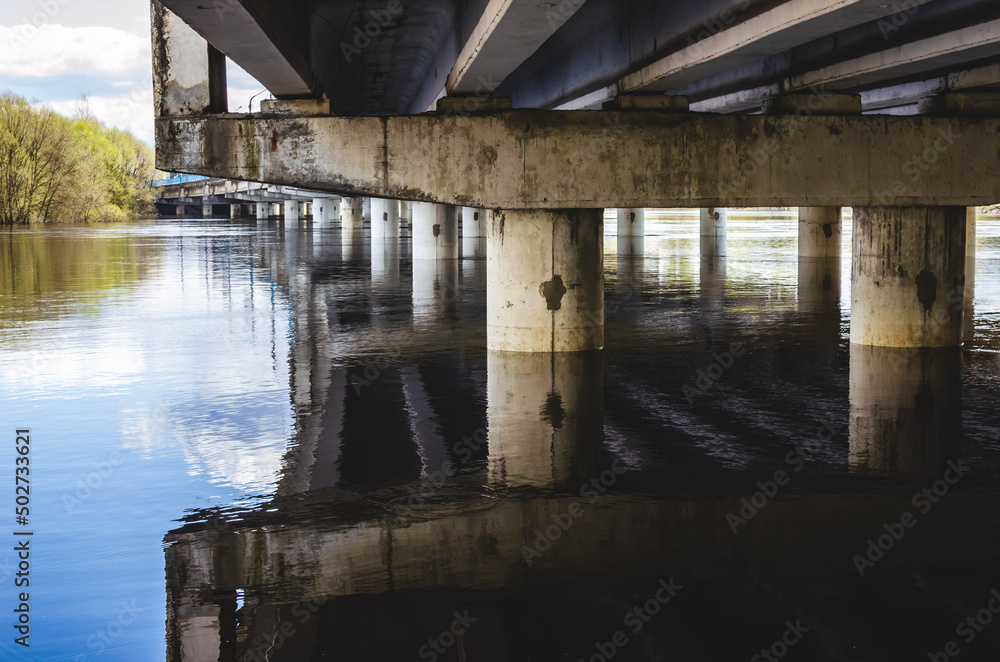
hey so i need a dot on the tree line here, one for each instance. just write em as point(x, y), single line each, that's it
point(59, 169)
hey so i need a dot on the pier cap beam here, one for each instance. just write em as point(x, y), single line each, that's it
point(599, 159)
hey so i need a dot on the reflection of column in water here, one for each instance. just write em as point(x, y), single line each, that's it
point(906, 409)
point(353, 248)
point(712, 281)
point(473, 232)
point(385, 263)
point(819, 284)
point(435, 289)
point(629, 276)
point(545, 414)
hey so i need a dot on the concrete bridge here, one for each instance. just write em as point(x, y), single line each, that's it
point(548, 113)
point(215, 197)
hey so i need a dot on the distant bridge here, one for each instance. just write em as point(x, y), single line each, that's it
point(185, 195)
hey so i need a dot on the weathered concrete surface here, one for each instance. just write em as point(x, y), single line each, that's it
point(820, 231)
point(545, 287)
point(908, 276)
point(188, 74)
point(600, 159)
point(352, 220)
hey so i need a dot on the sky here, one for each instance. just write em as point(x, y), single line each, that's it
point(56, 51)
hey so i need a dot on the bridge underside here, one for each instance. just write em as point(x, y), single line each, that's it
point(547, 113)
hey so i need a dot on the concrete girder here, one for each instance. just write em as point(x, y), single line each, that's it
point(252, 34)
point(787, 25)
point(939, 52)
point(555, 159)
point(507, 34)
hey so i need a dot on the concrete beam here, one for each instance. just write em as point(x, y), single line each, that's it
point(949, 50)
point(552, 160)
point(507, 34)
point(257, 36)
point(787, 25)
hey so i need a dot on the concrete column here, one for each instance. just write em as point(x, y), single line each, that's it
point(820, 232)
point(435, 232)
point(713, 232)
point(473, 232)
point(385, 220)
point(263, 211)
point(366, 210)
point(545, 280)
point(404, 212)
point(631, 230)
point(969, 316)
point(351, 210)
point(906, 410)
point(908, 276)
point(322, 211)
point(292, 211)
point(179, 211)
point(235, 211)
point(206, 211)
point(276, 209)
point(545, 416)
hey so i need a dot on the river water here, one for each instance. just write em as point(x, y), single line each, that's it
point(251, 441)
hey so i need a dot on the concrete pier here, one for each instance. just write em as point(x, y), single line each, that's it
point(713, 232)
point(820, 232)
point(292, 212)
point(631, 230)
point(263, 211)
point(545, 415)
point(385, 220)
point(351, 215)
point(545, 281)
point(473, 232)
point(435, 232)
point(908, 276)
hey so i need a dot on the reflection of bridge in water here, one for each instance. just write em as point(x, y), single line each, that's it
point(366, 551)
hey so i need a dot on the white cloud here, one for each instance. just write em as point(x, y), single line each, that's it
point(27, 51)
